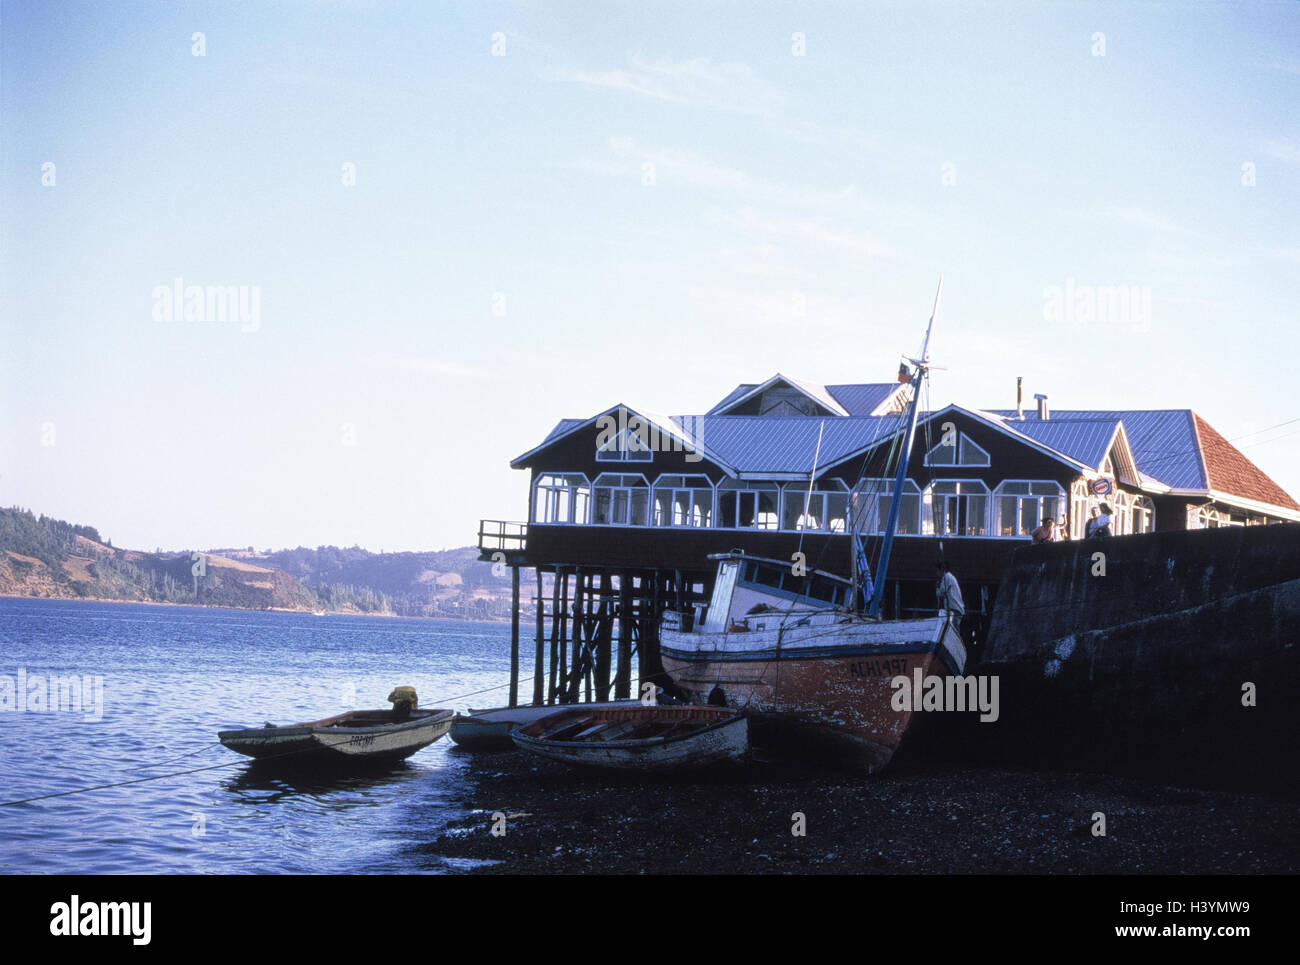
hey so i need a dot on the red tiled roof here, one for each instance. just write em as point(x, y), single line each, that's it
point(1230, 472)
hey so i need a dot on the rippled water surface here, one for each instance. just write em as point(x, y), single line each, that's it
point(173, 677)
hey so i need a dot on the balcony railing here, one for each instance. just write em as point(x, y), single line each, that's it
point(503, 535)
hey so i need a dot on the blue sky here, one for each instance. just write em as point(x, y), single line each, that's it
point(801, 211)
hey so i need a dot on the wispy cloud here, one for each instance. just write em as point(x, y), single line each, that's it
point(428, 366)
point(1286, 150)
point(1133, 215)
point(671, 167)
point(728, 87)
point(813, 230)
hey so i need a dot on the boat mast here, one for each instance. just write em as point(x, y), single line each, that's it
point(922, 366)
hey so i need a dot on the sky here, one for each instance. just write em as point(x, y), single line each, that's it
point(455, 224)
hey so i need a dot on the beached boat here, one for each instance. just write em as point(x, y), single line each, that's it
point(810, 648)
point(489, 729)
point(358, 736)
point(639, 738)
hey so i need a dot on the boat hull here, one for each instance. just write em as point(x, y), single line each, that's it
point(355, 738)
point(722, 737)
point(488, 730)
point(830, 677)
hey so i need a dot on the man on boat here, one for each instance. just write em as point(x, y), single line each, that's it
point(949, 593)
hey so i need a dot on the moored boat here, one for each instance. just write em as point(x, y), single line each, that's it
point(354, 737)
point(489, 729)
point(808, 647)
point(639, 738)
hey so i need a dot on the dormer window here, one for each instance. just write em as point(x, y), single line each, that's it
point(957, 452)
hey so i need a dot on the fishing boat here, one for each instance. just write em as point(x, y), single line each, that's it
point(489, 729)
point(811, 649)
point(354, 737)
point(639, 738)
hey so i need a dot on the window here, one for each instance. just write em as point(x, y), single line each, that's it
point(1021, 506)
point(826, 509)
point(683, 501)
point(561, 498)
point(871, 500)
point(960, 507)
point(1144, 515)
point(620, 500)
point(747, 505)
point(628, 445)
point(1207, 517)
point(958, 452)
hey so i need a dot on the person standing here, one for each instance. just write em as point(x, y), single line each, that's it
point(948, 592)
point(1046, 533)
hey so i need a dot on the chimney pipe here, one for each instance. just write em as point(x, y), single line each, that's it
point(1043, 412)
point(1020, 405)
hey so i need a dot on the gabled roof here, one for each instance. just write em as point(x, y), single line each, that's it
point(1231, 472)
point(1160, 450)
point(811, 390)
point(879, 398)
point(673, 427)
point(847, 400)
point(1163, 441)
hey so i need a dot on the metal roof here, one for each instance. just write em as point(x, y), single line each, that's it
point(1085, 440)
point(844, 401)
point(1163, 441)
point(767, 444)
point(864, 400)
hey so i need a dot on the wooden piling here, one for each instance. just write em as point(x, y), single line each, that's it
point(539, 662)
point(623, 674)
point(514, 636)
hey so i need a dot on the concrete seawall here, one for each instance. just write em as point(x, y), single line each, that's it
point(1136, 661)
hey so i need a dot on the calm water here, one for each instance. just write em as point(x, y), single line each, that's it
point(173, 677)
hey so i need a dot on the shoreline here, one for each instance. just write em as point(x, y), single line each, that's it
point(239, 609)
point(915, 818)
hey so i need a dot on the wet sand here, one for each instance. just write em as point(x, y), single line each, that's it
point(912, 819)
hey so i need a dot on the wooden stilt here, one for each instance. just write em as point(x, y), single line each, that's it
point(623, 674)
point(514, 636)
point(539, 662)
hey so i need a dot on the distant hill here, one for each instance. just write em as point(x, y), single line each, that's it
point(45, 557)
point(442, 583)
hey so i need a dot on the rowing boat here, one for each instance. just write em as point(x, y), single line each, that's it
point(358, 736)
point(639, 738)
point(489, 729)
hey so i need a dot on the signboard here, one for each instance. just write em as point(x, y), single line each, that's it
point(1099, 487)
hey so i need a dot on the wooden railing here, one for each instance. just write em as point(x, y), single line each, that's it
point(500, 534)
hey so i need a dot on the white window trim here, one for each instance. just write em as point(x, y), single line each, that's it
point(995, 511)
point(538, 488)
point(956, 463)
point(657, 487)
point(930, 497)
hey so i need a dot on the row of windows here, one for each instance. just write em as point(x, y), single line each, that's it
point(945, 508)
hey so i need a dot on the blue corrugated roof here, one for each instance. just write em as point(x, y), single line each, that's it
point(1163, 440)
point(856, 400)
point(784, 445)
point(1084, 440)
point(862, 400)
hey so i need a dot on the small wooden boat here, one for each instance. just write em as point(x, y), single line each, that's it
point(358, 736)
point(639, 738)
point(489, 729)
